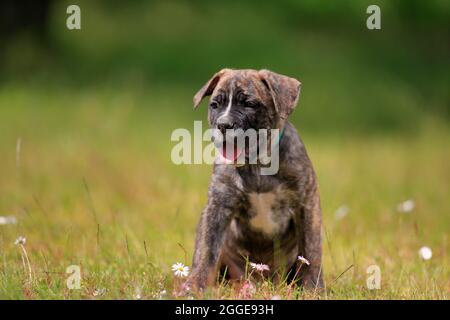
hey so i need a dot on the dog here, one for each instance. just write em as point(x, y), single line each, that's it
point(249, 217)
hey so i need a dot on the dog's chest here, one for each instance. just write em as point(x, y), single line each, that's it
point(268, 213)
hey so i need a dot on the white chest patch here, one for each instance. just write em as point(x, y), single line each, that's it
point(262, 204)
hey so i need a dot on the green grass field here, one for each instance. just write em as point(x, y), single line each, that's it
point(87, 174)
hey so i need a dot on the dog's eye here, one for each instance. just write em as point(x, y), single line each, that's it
point(251, 103)
point(213, 105)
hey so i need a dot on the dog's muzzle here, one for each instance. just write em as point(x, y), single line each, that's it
point(230, 146)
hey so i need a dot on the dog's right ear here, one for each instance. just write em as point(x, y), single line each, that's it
point(208, 88)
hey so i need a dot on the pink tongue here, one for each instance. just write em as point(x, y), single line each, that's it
point(230, 155)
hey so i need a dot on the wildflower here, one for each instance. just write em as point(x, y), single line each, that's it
point(260, 267)
point(247, 290)
point(303, 260)
point(425, 253)
point(137, 293)
point(341, 212)
point(180, 270)
point(275, 297)
point(406, 206)
point(20, 241)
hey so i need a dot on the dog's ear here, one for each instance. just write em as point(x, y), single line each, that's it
point(284, 90)
point(208, 88)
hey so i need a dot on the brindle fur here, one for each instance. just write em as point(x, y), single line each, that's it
point(225, 238)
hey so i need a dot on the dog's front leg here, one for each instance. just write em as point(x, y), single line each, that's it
point(211, 230)
point(309, 224)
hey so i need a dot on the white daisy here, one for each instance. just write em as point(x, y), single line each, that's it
point(341, 212)
point(180, 270)
point(425, 253)
point(406, 206)
point(260, 267)
point(137, 293)
point(303, 260)
point(20, 241)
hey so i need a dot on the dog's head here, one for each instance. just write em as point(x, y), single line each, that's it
point(249, 99)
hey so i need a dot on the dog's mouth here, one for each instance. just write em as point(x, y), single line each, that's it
point(230, 152)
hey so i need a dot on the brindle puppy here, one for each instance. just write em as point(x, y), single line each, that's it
point(270, 219)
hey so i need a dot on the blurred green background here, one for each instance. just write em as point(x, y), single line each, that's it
point(362, 80)
point(86, 117)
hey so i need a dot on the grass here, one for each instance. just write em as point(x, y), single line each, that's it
point(92, 185)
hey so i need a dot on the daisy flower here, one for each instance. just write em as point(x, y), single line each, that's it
point(20, 241)
point(406, 206)
point(341, 212)
point(137, 293)
point(260, 267)
point(425, 253)
point(180, 270)
point(303, 260)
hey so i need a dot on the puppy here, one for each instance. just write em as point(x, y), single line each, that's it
point(269, 219)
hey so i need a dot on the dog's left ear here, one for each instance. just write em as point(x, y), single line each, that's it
point(285, 91)
point(208, 88)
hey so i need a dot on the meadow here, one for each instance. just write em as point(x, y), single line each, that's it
point(91, 184)
point(86, 118)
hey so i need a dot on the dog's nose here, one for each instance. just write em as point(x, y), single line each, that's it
point(223, 126)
